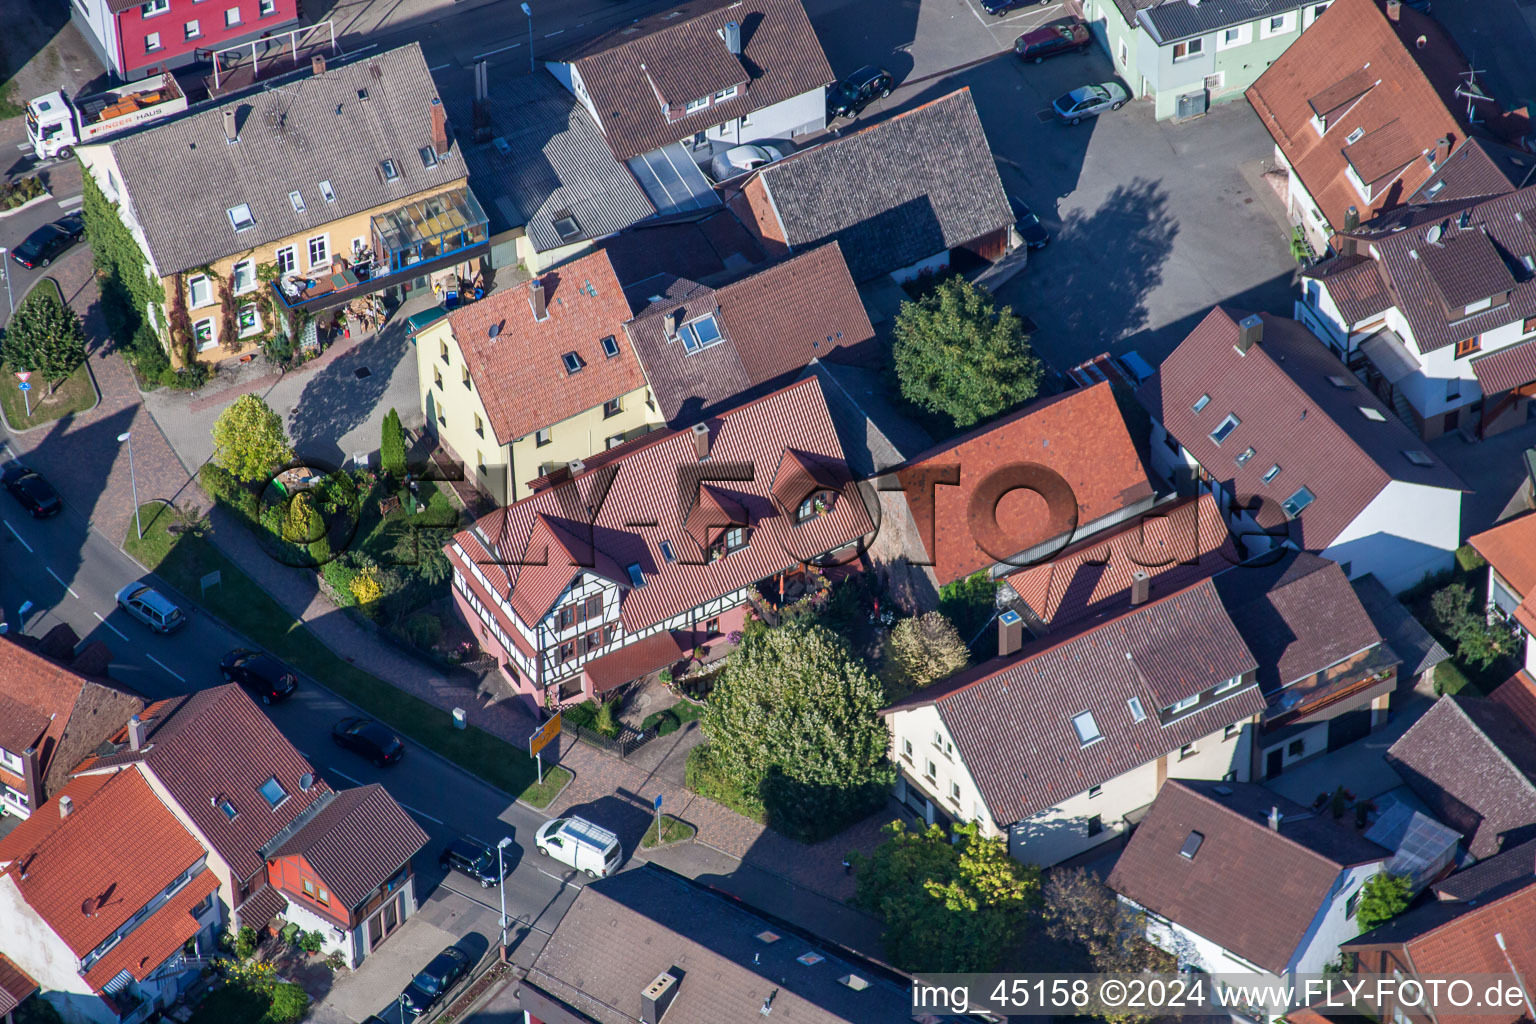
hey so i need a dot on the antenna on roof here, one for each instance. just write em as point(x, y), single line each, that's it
point(1432, 236)
point(1472, 92)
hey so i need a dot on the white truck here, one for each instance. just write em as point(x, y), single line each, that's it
point(56, 126)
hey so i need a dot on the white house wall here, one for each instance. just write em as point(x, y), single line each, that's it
point(917, 727)
point(38, 950)
point(1406, 531)
point(96, 23)
point(1332, 924)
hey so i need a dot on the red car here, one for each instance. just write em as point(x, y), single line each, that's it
point(1049, 40)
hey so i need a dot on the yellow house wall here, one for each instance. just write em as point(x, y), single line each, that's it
point(450, 412)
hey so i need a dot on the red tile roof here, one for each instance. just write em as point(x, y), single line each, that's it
point(1012, 718)
point(156, 939)
point(628, 71)
point(1175, 546)
point(1406, 105)
point(1505, 369)
point(520, 374)
point(1250, 889)
point(1355, 285)
point(1080, 435)
point(357, 842)
point(1510, 547)
point(1292, 414)
point(657, 651)
point(32, 830)
point(114, 853)
point(15, 985)
point(656, 482)
point(217, 745)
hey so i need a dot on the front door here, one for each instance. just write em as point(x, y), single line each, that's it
point(1273, 762)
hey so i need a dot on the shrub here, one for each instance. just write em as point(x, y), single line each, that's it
point(392, 446)
point(969, 603)
point(289, 1004)
point(336, 578)
point(1469, 560)
point(1382, 898)
point(367, 590)
point(245, 943)
point(919, 651)
point(423, 630)
point(311, 942)
point(605, 722)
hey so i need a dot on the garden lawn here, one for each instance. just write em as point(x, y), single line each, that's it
point(669, 720)
point(542, 794)
point(672, 831)
point(76, 393)
point(184, 560)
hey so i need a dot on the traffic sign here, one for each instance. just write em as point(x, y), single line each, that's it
point(24, 386)
point(23, 374)
point(657, 803)
point(548, 731)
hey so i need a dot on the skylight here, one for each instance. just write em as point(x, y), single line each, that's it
point(328, 193)
point(1273, 472)
point(636, 575)
point(667, 552)
point(1418, 458)
point(1340, 382)
point(1245, 455)
point(1298, 501)
point(702, 333)
point(428, 156)
point(297, 200)
point(1202, 402)
point(1374, 415)
point(274, 792)
point(1087, 728)
point(573, 363)
point(1137, 713)
point(390, 172)
point(766, 936)
point(240, 217)
point(228, 809)
point(1225, 428)
point(854, 982)
point(810, 958)
point(610, 346)
point(567, 228)
point(1191, 845)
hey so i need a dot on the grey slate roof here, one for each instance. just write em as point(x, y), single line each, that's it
point(295, 131)
point(623, 931)
point(1509, 866)
point(1173, 20)
point(896, 192)
point(555, 162)
point(1402, 632)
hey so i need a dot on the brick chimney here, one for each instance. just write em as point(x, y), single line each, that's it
point(701, 440)
point(536, 299)
point(1351, 221)
point(231, 133)
point(1010, 633)
point(317, 64)
point(1394, 10)
point(1442, 149)
point(439, 127)
point(669, 324)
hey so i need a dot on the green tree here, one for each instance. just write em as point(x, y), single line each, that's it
point(969, 603)
point(959, 354)
point(289, 1004)
point(1478, 641)
point(392, 446)
point(1382, 898)
point(45, 336)
point(1082, 911)
point(794, 718)
point(947, 906)
point(920, 651)
point(249, 440)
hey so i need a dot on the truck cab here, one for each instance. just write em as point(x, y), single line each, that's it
point(51, 126)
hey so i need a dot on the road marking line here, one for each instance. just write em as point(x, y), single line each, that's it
point(492, 53)
point(69, 201)
point(440, 66)
point(109, 625)
point(66, 585)
point(562, 881)
point(19, 537)
point(422, 814)
point(338, 771)
point(518, 920)
point(168, 668)
point(551, 35)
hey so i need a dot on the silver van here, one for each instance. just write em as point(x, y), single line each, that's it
point(582, 845)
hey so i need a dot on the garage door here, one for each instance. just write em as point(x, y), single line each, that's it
point(1348, 727)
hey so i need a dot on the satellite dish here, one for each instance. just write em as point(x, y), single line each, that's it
point(1432, 236)
point(494, 330)
point(306, 781)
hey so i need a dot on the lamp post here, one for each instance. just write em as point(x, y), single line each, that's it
point(501, 887)
point(127, 436)
point(6, 270)
point(528, 11)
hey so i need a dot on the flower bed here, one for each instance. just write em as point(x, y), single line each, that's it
point(20, 191)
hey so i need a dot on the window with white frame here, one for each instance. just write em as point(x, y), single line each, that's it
point(287, 260)
point(206, 334)
point(1124, 54)
point(240, 217)
point(1184, 705)
point(320, 251)
point(1277, 24)
point(154, 7)
point(1237, 35)
point(725, 94)
point(243, 276)
point(930, 769)
point(1187, 49)
point(191, 30)
point(152, 42)
point(232, 17)
point(696, 105)
point(266, 7)
point(1224, 428)
point(250, 320)
point(326, 192)
point(199, 291)
point(10, 760)
point(1229, 685)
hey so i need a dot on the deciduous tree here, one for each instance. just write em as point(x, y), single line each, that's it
point(45, 337)
point(1382, 898)
point(1478, 641)
point(959, 354)
point(249, 440)
point(947, 906)
point(919, 651)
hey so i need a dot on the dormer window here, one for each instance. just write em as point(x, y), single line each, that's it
point(818, 504)
point(695, 106)
point(1183, 705)
point(725, 94)
point(1478, 306)
point(1354, 136)
point(733, 538)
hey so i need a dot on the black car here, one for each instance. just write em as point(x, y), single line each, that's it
point(263, 675)
point(36, 495)
point(995, 7)
point(850, 96)
point(370, 739)
point(434, 981)
point(43, 246)
point(474, 859)
point(1028, 224)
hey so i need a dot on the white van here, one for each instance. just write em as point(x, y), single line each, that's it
point(582, 845)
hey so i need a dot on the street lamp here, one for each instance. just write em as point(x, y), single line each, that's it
point(528, 11)
point(6, 270)
point(501, 872)
point(127, 436)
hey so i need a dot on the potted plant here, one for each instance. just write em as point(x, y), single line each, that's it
point(820, 506)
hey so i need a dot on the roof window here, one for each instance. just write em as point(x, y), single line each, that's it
point(274, 792)
point(1298, 501)
point(1224, 428)
point(297, 200)
point(1138, 714)
point(1418, 458)
point(1201, 402)
point(223, 804)
point(667, 552)
point(702, 333)
point(767, 937)
point(1273, 472)
point(610, 346)
point(567, 227)
point(240, 217)
point(390, 171)
point(1087, 728)
point(428, 156)
point(636, 574)
point(810, 958)
point(1191, 845)
point(326, 192)
point(854, 982)
point(1374, 415)
point(573, 363)
point(1341, 382)
point(1354, 136)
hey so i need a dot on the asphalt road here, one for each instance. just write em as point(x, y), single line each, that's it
point(64, 179)
point(70, 574)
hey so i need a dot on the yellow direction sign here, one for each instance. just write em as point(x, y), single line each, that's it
point(548, 731)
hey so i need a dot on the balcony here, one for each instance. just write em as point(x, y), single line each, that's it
point(1358, 680)
point(408, 242)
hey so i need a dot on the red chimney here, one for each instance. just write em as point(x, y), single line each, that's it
point(439, 127)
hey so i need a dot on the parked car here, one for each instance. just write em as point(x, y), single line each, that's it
point(849, 97)
point(36, 495)
point(150, 607)
point(1070, 36)
point(263, 675)
point(1028, 224)
point(434, 981)
point(72, 225)
point(43, 246)
point(1090, 101)
point(370, 739)
point(996, 7)
point(581, 844)
point(738, 160)
point(475, 859)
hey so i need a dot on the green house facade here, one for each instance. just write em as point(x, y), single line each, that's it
point(1188, 55)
